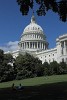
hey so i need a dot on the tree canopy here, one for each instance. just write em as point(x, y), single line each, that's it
point(27, 66)
point(57, 6)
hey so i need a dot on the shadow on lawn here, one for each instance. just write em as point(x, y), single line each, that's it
point(54, 91)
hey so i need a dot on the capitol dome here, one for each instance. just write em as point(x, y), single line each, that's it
point(33, 37)
point(33, 27)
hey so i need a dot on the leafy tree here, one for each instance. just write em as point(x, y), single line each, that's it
point(57, 6)
point(8, 59)
point(54, 67)
point(27, 65)
point(39, 70)
point(62, 68)
point(1, 56)
point(6, 73)
point(6, 70)
point(46, 67)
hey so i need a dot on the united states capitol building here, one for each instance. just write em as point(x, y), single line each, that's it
point(33, 41)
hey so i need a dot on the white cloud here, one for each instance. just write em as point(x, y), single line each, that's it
point(10, 46)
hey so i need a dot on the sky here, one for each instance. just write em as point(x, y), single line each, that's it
point(12, 24)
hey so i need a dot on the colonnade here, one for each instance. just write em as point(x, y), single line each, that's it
point(64, 47)
point(33, 45)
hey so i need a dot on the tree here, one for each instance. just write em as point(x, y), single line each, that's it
point(27, 66)
point(1, 56)
point(8, 73)
point(54, 67)
point(6, 70)
point(8, 58)
point(62, 68)
point(57, 6)
point(46, 67)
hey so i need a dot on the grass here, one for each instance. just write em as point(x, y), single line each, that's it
point(41, 88)
point(36, 81)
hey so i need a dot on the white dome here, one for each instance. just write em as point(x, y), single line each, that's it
point(33, 27)
point(33, 38)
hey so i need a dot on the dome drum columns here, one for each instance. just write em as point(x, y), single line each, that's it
point(33, 45)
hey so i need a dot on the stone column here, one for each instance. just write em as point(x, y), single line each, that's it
point(36, 36)
point(64, 47)
point(24, 45)
point(42, 45)
point(32, 44)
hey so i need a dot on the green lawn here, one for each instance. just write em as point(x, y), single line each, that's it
point(36, 81)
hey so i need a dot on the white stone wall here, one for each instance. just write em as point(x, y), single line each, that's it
point(47, 55)
point(61, 45)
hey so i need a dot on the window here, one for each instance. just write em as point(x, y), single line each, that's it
point(53, 54)
point(62, 59)
point(35, 36)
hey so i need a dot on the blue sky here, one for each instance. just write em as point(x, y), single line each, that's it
point(12, 24)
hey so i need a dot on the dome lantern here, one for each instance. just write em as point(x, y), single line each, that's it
point(33, 19)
